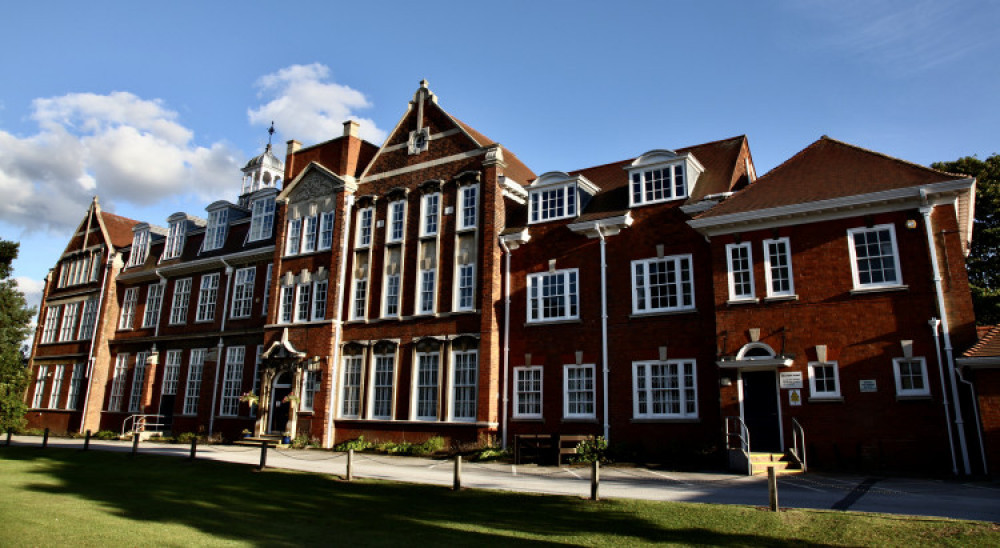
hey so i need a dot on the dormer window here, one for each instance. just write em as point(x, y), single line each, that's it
point(175, 238)
point(557, 195)
point(262, 211)
point(661, 176)
point(140, 247)
point(215, 235)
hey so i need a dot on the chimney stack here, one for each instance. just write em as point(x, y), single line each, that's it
point(351, 128)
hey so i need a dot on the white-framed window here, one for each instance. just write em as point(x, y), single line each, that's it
point(154, 298)
point(325, 230)
point(740, 261)
point(118, 383)
point(302, 294)
point(426, 385)
point(88, 319)
point(397, 221)
point(553, 203)
point(310, 386)
point(664, 389)
point(207, 295)
point(294, 241)
point(192, 390)
point(69, 315)
point(365, 216)
point(138, 382)
point(430, 213)
point(127, 317)
point(778, 268)
point(528, 392)
point(287, 303)
point(350, 399)
point(911, 377)
point(75, 382)
point(824, 380)
point(262, 218)
point(464, 382)
point(40, 380)
point(215, 234)
point(243, 292)
point(391, 307)
point(182, 298)
point(553, 296)
point(232, 381)
point(267, 289)
point(465, 296)
point(662, 284)
point(140, 247)
point(175, 240)
point(383, 375)
point(171, 372)
point(57, 381)
point(360, 296)
point(468, 202)
point(319, 300)
point(256, 377)
point(51, 323)
point(874, 257)
point(428, 291)
point(95, 267)
point(658, 184)
point(578, 392)
point(310, 231)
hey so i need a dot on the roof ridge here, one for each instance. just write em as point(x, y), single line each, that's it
point(717, 141)
point(120, 217)
point(884, 155)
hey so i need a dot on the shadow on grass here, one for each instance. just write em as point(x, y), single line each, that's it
point(289, 508)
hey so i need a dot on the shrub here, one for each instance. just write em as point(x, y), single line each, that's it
point(593, 450)
point(490, 454)
point(303, 440)
point(105, 435)
point(429, 447)
point(185, 437)
point(359, 444)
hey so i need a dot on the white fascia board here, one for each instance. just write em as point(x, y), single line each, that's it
point(201, 264)
point(345, 181)
point(512, 187)
point(835, 208)
point(990, 362)
point(607, 227)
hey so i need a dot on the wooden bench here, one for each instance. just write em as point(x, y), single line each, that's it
point(567, 446)
point(533, 445)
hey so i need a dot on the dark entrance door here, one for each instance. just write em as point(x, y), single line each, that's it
point(279, 408)
point(760, 410)
point(167, 411)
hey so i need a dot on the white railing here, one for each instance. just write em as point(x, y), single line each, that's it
point(799, 443)
point(139, 423)
point(739, 453)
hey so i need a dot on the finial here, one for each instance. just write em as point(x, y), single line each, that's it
point(270, 133)
point(423, 83)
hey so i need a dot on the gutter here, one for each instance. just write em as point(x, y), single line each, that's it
point(604, 327)
point(338, 323)
point(218, 360)
point(93, 336)
point(939, 291)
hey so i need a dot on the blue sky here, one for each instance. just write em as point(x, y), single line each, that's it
point(154, 107)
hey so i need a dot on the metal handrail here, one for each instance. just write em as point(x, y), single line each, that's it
point(139, 423)
point(743, 435)
point(799, 443)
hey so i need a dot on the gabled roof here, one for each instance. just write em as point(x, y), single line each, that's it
point(828, 169)
point(119, 228)
point(516, 169)
point(988, 345)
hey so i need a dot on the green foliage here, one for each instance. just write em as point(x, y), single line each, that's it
point(593, 450)
point(105, 435)
point(185, 437)
point(302, 441)
point(15, 321)
point(984, 258)
point(359, 444)
point(429, 447)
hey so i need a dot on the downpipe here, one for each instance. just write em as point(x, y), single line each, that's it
point(935, 323)
point(220, 346)
point(506, 343)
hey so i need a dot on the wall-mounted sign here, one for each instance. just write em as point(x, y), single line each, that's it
point(868, 385)
point(795, 397)
point(790, 379)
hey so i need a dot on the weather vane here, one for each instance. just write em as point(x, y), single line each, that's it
point(270, 133)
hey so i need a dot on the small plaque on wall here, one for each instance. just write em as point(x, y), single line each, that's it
point(795, 397)
point(868, 385)
point(790, 379)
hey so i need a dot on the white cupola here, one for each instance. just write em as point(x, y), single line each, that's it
point(263, 171)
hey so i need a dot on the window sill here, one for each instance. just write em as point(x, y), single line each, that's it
point(825, 399)
point(424, 237)
point(663, 313)
point(538, 420)
point(914, 397)
point(465, 229)
point(587, 420)
point(553, 322)
point(732, 302)
point(305, 254)
point(665, 420)
point(780, 298)
point(655, 202)
point(863, 290)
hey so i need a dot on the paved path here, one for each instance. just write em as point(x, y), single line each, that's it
point(954, 499)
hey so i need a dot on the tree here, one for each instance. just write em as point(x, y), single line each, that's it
point(984, 260)
point(15, 321)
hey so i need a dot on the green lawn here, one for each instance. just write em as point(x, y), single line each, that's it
point(68, 497)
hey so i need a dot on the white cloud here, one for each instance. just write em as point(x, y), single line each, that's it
point(31, 288)
point(306, 106)
point(119, 146)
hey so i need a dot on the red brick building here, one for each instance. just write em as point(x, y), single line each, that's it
point(435, 286)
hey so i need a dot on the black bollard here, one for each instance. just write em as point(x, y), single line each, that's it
point(86, 441)
point(194, 448)
point(772, 489)
point(457, 481)
point(9, 433)
point(45, 439)
point(595, 480)
point(135, 443)
point(350, 464)
point(263, 455)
